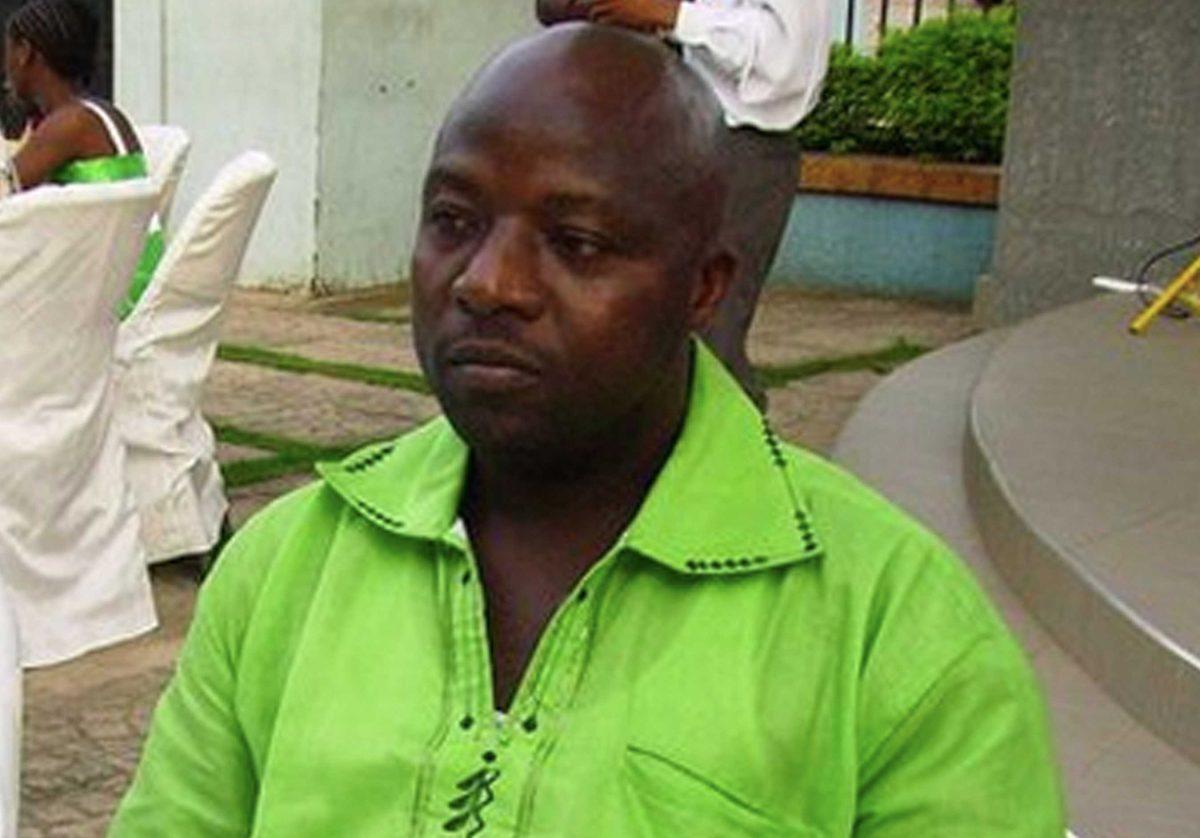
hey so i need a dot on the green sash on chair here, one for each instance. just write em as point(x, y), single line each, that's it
point(109, 170)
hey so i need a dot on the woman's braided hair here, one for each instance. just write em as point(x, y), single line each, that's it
point(65, 32)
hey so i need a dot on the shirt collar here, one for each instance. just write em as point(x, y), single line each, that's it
point(726, 502)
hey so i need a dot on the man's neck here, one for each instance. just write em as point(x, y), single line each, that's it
point(572, 514)
point(536, 532)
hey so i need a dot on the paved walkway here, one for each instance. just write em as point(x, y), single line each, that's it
point(306, 391)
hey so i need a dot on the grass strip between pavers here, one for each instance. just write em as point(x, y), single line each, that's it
point(375, 317)
point(261, 469)
point(881, 361)
point(289, 456)
point(287, 362)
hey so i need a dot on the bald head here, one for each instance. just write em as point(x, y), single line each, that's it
point(611, 94)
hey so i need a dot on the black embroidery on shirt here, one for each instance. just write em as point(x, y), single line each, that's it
point(476, 796)
point(773, 444)
point(804, 527)
point(803, 524)
point(370, 460)
point(379, 516)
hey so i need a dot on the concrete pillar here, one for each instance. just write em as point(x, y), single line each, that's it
point(1102, 163)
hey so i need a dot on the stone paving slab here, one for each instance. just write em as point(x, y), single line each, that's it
point(229, 453)
point(245, 501)
point(811, 413)
point(313, 408)
point(383, 345)
point(84, 721)
point(792, 326)
point(298, 331)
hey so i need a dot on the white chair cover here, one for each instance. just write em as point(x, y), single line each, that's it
point(69, 550)
point(10, 717)
point(165, 349)
point(166, 149)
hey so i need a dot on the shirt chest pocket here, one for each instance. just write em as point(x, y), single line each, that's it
point(664, 797)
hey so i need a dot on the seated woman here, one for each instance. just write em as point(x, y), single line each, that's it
point(49, 53)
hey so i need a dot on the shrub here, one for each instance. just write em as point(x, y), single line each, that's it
point(937, 92)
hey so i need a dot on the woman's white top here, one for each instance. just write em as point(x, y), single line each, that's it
point(765, 59)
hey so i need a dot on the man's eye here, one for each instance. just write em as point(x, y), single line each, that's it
point(578, 245)
point(452, 223)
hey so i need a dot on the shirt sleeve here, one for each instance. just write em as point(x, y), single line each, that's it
point(196, 776)
point(766, 59)
point(973, 757)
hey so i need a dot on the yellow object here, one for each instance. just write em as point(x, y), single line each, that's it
point(1182, 289)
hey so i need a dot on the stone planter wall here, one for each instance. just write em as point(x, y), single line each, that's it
point(890, 226)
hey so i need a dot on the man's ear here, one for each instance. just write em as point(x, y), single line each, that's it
point(715, 278)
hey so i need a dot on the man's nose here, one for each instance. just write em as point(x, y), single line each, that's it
point(502, 274)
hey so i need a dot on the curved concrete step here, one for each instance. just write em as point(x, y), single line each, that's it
point(907, 440)
point(1083, 471)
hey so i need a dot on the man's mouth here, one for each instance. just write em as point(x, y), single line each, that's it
point(491, 364)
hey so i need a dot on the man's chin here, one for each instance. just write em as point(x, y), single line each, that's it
point(505, 434)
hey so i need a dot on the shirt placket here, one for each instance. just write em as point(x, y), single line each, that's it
point(501, 754)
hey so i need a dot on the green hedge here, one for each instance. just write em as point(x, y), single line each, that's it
point(935, 92)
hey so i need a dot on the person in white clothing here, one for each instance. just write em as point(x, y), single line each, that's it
point(765, 61)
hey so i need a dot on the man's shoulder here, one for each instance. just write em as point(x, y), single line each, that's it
point(298, 528)
point(887, 561)
point(846, 511)
point(267, 539)
point(918, 616)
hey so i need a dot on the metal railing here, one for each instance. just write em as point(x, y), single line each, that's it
point(867, 21)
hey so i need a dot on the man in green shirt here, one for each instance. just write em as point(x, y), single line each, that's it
point(600, 598)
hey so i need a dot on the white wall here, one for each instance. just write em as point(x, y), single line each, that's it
point(138, 58)
point(344, 94)
point(245, 74)
point(237, 74)
point(391, 70)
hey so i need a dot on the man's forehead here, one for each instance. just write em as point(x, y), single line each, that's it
point(553, 125)
point(469, 172)
point(556, 111)
point(553, 183)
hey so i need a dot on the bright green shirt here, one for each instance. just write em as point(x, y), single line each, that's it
point(770, 649)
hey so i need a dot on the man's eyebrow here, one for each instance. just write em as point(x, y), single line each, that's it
point(563, 203)
point(440, 177)
point(627, 218)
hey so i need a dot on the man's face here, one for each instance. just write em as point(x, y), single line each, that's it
point(553, 290)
